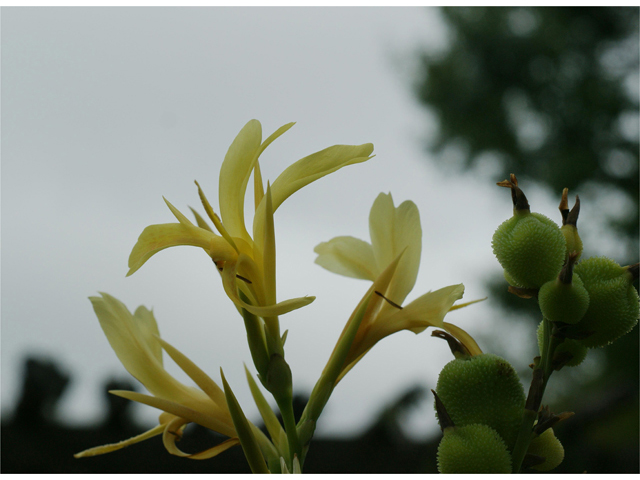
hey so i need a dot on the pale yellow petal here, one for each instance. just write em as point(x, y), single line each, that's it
point(231, 289)
point(234, 176)
point(207, 419)
point(315, 166)
point(201, 221)
point(363, 340)
point(308, 170)
point(464, 338)
point(274, 135)
point(148, 326)
point(267, 245)
point(201, 379)
point(176, 213)
point(155, 238)
point(172, 433)
point(395, 230)
point(348, 256)
point(112, 447)
point(426, 311)
point(134, 347)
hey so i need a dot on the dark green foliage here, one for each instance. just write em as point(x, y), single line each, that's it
point(551, 92)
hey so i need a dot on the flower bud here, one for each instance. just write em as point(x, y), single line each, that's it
point(546, 445)
point(570, 224)
point(564, 299)
point(529, 246)
point(473, 448)
point(483, 389)
point(613, 302)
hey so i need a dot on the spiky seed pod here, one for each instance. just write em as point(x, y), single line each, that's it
point(483, 389)
point(529, 246)
point(613, 302)
point(548, 446)
point(473, 448)
point(564, 299)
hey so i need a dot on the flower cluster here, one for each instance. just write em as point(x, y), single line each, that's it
point(247, 266)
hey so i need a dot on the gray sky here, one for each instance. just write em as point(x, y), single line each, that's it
point(104, 111)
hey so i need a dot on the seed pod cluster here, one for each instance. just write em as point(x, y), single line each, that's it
point(483, 389)
point(592, 302)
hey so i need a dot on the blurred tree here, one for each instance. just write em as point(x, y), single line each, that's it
point(552, 94)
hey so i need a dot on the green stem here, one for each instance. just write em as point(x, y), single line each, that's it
point(295, 448)
point(541, 374)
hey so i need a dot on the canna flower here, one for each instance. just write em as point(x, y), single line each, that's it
point(246, 262)
point(136, 341)
point(391, 262)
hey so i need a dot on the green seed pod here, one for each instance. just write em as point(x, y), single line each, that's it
point(483, 389)
point(613, 302)
point(564, 299)
point(529, 246)
point(547, 445)
point(575, 348)
point(473, 448)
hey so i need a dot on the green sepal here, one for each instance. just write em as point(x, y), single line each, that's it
point(255, 339)
point(278, 380)
point(327, 381)
point(276, 432)
point(248, 441)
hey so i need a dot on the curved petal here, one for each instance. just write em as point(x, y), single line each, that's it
point(428, 310)
point(172, 433)
point(208, 386)
point(348, 256)
point(133, 343)
point(234, 176)
point(286, 306)
point(464, 338)
point(155, 238)
point(308, 170)
point(210, 420)
point(315, 166)
point(112, 447)
point(149, 330)
point(392, 231)
point(136, 348)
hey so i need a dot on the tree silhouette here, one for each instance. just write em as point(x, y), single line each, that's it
point(552, 94)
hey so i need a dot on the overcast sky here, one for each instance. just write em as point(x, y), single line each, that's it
point(104, 111)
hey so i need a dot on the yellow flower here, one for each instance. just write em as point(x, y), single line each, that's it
point(391, 261)
point(136, 341)
point(247, 263)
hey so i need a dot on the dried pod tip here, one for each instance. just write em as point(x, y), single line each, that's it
point(518, 197)
point(564, 206)
point(572, 218)
point(566, 274)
